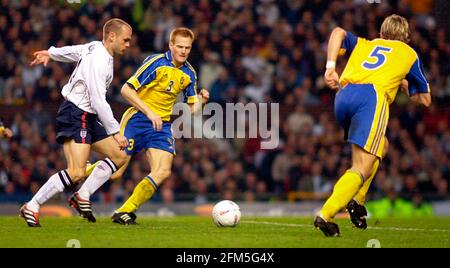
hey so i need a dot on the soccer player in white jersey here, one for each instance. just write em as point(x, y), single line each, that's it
point(85, 120)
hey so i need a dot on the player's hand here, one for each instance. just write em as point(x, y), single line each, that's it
point(156, 121)
point(7, 133)
point(331, 78)
point(41, 57)
point(204, 95)
point(121, 140)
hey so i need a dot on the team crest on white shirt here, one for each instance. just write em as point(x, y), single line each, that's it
point(83, 133)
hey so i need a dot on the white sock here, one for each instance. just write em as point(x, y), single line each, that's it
point(55, 184)
point(101, 173)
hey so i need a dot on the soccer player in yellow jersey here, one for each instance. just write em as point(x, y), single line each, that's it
point(152, 92)
point(369, 83)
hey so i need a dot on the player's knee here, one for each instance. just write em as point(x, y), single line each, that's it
point(119, 159)
point(162, 173)
point(77, 174)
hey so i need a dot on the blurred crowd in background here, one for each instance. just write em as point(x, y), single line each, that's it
point(260, 51)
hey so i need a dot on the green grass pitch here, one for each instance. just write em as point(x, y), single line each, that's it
point(200, 232)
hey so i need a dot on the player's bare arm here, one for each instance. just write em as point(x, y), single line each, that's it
point(40, 57)
point(132, 97)
point(419, 98)
point(425, 99)
point(331, 77)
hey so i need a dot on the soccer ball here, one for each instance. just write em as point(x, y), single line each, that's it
point(226, 213)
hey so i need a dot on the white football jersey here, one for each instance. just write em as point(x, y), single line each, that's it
point(89, 81)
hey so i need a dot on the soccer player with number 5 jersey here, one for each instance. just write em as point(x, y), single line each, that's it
point(376, 69)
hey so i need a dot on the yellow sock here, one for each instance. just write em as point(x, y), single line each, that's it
point(344, 190)
point(141, 194)
point(90, 168)
point(360, 197)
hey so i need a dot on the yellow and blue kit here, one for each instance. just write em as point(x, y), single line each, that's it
point(370, 82)
point(157, 82)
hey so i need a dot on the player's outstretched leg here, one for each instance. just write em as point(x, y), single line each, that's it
point(56, 184)
point(328, 228)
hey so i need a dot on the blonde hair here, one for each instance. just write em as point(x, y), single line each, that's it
point(181, 31)
point(395, 27)
point(114, 26)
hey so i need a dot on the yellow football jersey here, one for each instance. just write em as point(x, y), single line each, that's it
point(158, 82)
point(383, 63)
